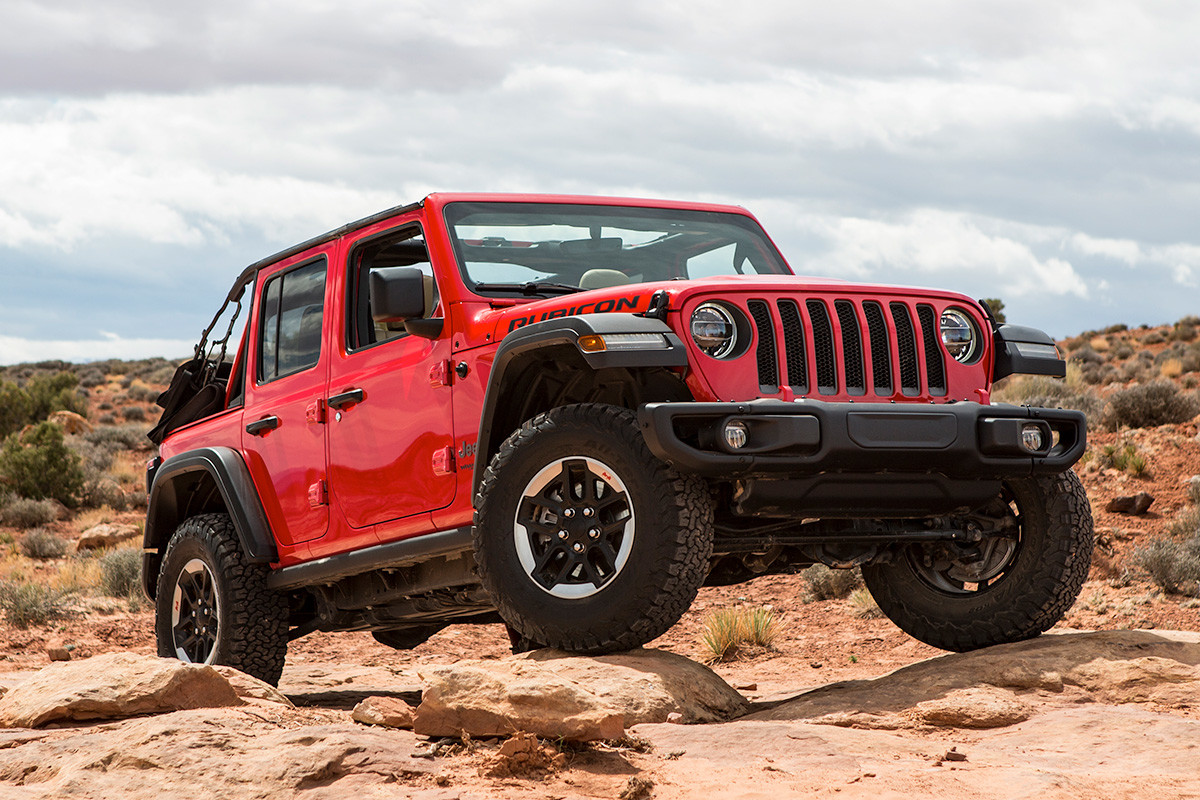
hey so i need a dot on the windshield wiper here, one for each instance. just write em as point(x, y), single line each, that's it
point(530, 287)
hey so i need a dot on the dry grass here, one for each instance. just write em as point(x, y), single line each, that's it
point(863, 605)
point(734, 632)
point(78, 575)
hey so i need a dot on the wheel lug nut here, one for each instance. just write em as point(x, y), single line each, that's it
point(587, 512)
point(562, 534)
point(568, 512)
point(577, 547)
point(594, 533)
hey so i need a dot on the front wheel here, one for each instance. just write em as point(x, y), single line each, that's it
point(584, 539)
point(214, 608)
point(1015, 583)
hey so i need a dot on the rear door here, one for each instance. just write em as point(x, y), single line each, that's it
point(390, 415)
point(284, 444)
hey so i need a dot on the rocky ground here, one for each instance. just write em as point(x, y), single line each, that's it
point(843, 704)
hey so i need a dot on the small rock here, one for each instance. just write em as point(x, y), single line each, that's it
point(953, 755)
point(978, 707)
point(746, 687)
point(1135, 505)
point(675, 718)
point(106, 535)
point(390, 712)
point(58, 653)
point(71, 423)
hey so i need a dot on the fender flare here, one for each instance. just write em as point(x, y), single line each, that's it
point(669, 352)
point(167, 505)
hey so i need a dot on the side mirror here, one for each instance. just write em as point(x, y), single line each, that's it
point(397, 294)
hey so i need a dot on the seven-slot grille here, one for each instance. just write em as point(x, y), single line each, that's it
point(860, 333)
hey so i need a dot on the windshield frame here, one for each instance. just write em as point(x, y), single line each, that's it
point(740, 230)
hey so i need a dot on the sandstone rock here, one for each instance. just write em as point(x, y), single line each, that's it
point(1050, 663)
point(553, 694)
point(71, 422)
point(248, 687)
point(106, 535)
point(58, 654)
point(977, 707)
point(390, 712)
point(1135, 505)
point(113, 686)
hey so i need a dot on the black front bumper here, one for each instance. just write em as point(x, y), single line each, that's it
point(862, 459)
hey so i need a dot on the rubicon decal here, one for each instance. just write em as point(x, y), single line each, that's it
point(602, 307)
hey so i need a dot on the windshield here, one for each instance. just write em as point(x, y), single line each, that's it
point(541, 248)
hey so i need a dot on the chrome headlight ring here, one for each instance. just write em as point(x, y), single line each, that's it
point(960, 335)
point(714, 330)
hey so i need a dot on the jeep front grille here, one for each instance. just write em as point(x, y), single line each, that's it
point(812, 361)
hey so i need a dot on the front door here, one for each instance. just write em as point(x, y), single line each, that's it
point(284, 445)
point(390, 423)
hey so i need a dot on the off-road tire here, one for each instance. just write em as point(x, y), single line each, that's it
point(1042, 581)
point(672, 531)
point(251, 620)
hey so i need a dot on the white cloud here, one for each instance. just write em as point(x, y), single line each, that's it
point(15, 350)
point(951, 246)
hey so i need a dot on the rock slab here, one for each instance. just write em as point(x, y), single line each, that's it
point(106, 535)
point(579, 698)
point(114, 686)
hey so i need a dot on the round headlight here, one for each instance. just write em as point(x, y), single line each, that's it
point(714, 330)
point(959, 335)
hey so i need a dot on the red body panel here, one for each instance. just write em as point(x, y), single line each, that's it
point(398, 463)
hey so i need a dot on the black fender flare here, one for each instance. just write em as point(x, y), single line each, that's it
point(520, 343)
point(168, 505)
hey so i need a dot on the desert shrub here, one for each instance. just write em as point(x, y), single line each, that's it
point(90, 379)
point(1123, 350)
point(996, 306)
point(1186, 526)
point(121, 437)
point(24, 513)
point(730, 631)
point(121, 572)
point(1097, 374)
point(1149, 405)
point(26, 604)
point(1088, 355)
point(1154, 337)
point(78, 575)
point(140, 393)
point(1183, 331)
point(39, 465)
point(15, 408)
point(41, 544)
point(823, 583)
point(134, 414)
point(1174, 566)
point(104, 493)
point(54, 392)
point(107, 419)
point(1042, 390)
point(1193, 491)
point(1171, 368)
point(1124, 456)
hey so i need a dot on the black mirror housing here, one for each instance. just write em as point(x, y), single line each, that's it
point(397, 294)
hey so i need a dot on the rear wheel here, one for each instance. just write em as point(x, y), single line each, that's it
point(585, 540)
point(213, 607)
point(1015, 583)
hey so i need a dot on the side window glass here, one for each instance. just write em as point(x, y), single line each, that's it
point(405, 248)
point(290, 333)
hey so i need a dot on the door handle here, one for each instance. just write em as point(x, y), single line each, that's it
point(262, 426)
point(348, 398)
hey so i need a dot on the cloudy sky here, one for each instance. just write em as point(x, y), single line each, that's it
point(1044, 153)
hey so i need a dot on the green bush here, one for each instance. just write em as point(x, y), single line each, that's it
point(24, 513)
point(41, 544)
point(121, 572)
point(38, 465)
point(824, 583)
point(1149, 405)
point(26, 604)
point(54, 392)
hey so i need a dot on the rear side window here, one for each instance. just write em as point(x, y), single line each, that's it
point(289, 336)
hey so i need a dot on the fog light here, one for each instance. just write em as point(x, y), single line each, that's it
point(1032, 438)
point(736, 434)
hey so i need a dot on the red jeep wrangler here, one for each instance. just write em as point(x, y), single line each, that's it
point(568, 413)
